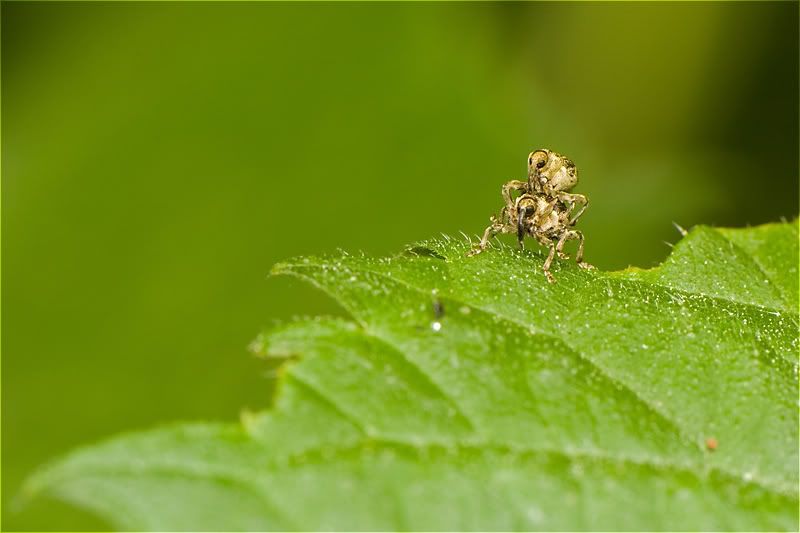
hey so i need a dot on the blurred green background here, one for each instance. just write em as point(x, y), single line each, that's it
point(159, 158)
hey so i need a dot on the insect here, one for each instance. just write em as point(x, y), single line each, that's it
point(544, 209)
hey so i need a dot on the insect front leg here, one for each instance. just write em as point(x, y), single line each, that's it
point(494, 228)
point(572, 199)
point(513, 185)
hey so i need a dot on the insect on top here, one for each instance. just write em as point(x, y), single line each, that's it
point(542, 207)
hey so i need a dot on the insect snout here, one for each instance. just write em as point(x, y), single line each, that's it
point(524, 212)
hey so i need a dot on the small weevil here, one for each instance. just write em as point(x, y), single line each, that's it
point(543, 209)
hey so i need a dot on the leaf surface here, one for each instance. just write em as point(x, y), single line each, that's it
point(470, 394)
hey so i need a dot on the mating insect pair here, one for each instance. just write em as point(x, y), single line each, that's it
point(543, 209)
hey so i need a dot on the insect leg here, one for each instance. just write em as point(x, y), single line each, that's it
point(579, 255)
point(513, 185)
point(575, 234)
point(560, 246)
point(548, 261)
point(572, 199)
point(505, 218)
point(495, 228)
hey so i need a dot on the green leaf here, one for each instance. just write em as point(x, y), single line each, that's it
point(468, 393)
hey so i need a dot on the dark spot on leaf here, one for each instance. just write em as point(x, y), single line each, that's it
point(438, 308)
point(423, 251)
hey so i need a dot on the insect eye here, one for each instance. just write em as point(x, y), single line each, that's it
point(540, 164)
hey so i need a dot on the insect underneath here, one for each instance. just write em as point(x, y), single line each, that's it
point(542, 207)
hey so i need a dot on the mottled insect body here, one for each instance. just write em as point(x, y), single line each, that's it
point(544, 209)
